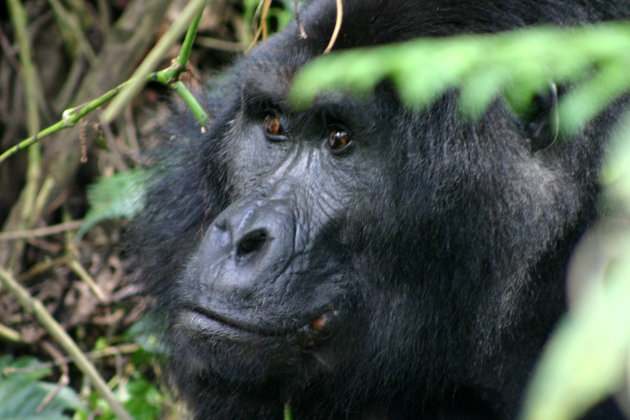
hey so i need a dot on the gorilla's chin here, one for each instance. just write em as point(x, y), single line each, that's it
point(229, 356)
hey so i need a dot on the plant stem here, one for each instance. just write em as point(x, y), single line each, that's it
point(72, 115)
point(288, 412)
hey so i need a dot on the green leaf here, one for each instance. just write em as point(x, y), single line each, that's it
point(616, 173)
point(142, 399)
point(22, 393)
point(146, 332)
point(584, 359)
point(116, 197)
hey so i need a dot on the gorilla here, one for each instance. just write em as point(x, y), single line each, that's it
point(358, 259)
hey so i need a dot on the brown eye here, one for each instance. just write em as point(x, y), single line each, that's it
point(338, 139)
point(272, 125)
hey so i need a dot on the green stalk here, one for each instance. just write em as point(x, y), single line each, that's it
point(139, 77)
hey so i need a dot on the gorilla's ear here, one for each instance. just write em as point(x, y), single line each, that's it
point(542, 123)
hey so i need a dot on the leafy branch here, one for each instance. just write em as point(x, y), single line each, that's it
point(515, 64)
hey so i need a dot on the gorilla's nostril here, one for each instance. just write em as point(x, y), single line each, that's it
point(251, 242)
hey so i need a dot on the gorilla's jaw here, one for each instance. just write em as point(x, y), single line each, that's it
point(237, 350)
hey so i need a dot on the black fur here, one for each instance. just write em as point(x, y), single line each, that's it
point(414, 275)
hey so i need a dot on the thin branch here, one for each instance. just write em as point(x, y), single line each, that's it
point(219, 44)
point(192, 103)
point(38, 233)
point(184, 51)
point(18, 17)
point(156, 54)
point(298, 19)
point(166, 76)
point(69, 117)
point(42, 267)
point(72, 115)
point(71, 29)
point(64, 379)
point(262, 27)
point(9, 334)
point(78, 269)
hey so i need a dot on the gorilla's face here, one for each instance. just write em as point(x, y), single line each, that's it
point(354, 232)
point(279, 277)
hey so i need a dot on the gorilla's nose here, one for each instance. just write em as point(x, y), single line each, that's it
point(247, 246)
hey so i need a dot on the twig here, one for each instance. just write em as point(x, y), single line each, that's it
point(64, 379)
point(192, 103)
point(85, 276)
point(9, 52)
point(114, 150)
point(73, 115)
point(78, 269)
point(219, 44)
point(262, 27)
point(337, 28)
point(189, 39)
point(69, 118)
point(10, 334)
point(256, 21)
point(42, 198)
point(298, 19)
point(42, 267)
point(40, 232)
point(31, 304)
point(19, 20)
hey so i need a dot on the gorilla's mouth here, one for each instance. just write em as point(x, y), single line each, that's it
point(314, 329)
point(216, 324)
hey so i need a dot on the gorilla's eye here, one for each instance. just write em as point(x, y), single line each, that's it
point(339, 139)
point(272, 126)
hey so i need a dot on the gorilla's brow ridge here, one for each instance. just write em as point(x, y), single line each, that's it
point(334, 106)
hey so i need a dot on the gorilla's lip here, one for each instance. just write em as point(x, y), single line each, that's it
point(214, 323)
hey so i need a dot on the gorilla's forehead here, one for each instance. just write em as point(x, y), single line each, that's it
point(270, 68)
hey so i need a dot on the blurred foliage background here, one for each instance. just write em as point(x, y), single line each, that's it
point(77, 49)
